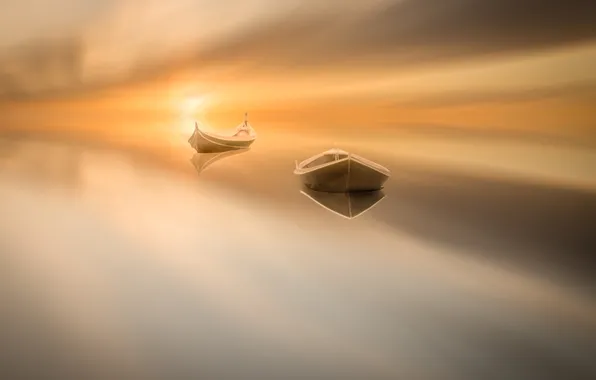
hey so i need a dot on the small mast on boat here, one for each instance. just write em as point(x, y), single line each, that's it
point(244, 127)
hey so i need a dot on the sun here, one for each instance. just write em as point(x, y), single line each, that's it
point(191, 104)
point(189, 108)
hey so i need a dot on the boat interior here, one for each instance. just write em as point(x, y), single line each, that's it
point(326, 158)
point(242, 132)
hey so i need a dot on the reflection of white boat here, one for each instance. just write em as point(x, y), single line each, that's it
point(339, 171)
point(347, 205)
point(203, 160)
point(205, 142)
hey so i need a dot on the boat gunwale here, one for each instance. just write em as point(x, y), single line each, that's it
point(208, 135)
point(316, 156)
point(300, 169)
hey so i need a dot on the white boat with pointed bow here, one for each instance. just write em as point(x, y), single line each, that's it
point(338, 171)
point(208, 142)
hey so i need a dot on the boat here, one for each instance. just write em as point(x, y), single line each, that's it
point(346, 205)
point(208, 142)
point(338, 171)
point(202, 161)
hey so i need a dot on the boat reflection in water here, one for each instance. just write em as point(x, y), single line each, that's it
point(205, 142)
point(202, 161)
point(347, 205)
point(338, 171)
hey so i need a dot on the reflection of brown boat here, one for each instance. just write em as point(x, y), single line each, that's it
point(347, 205)
point(338, 171)
point(205, 142)
point(202, 161)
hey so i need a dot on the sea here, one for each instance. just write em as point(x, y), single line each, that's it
point(477, 260)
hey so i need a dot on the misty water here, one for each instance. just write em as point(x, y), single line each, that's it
point(120, 265)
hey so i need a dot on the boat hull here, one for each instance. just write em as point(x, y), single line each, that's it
point(204, 142)
point(346, 175)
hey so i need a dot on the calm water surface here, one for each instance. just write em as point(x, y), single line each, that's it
point(118, 265)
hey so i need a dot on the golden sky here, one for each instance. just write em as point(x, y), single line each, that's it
point(493, 64)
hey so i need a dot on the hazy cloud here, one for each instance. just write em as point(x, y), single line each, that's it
point(41, 66)
point(417, 31)
point(22, 21)
point(577, 92)
point(135, 42)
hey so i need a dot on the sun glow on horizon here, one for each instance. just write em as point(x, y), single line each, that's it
point(189, 110)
